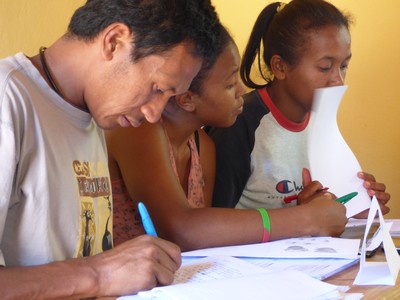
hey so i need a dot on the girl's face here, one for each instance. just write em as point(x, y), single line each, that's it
point(323, 64)
point(221, 100)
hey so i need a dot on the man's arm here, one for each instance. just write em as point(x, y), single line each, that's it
point(136, 265)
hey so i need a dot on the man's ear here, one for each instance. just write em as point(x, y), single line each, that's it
point(117, 36)
point(278, 67)
point(186, 101)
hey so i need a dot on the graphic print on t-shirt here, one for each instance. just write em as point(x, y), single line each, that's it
point(95, 208)
point(285, 187)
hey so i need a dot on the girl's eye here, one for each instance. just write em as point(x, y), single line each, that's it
point(344, 67)
point(324, 69)
point(231, 86)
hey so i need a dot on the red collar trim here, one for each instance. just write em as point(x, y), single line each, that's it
point(280, 118)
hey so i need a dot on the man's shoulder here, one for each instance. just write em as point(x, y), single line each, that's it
point(14, 68)
point(7, 66)
point(12, 62)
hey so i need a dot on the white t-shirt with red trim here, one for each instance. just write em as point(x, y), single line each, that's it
point(260, 158)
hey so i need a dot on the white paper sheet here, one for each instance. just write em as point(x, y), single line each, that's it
point(305, 247)
point(261, 286)
point(331, 160)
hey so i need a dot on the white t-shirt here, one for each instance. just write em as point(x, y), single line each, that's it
point(259, 158)
point(55, 199)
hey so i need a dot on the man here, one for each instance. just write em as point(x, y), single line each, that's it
point(118, 64)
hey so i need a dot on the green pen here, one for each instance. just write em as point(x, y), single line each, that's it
point(346, 198)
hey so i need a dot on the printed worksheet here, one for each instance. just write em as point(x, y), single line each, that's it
point(214, 268)
point(303, 247)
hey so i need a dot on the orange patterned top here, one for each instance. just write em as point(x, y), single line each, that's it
point(127, 221)
point(195, 181)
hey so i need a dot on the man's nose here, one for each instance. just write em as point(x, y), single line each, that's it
point(153, 109)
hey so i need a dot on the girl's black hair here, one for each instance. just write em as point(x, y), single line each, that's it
point(223, 38)
point(283, 30)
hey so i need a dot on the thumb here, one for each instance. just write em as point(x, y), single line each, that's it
point(306, 177)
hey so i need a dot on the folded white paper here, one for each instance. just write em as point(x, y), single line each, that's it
point(331, 160)
point(378, 273)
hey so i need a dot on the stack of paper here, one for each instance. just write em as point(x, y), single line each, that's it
point(263, 271)
point(395, 228)
point(264, 286)
point(230, 278)
point(318, 257)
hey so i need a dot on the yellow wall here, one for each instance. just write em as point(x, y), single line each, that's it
point(25, 25)
point(369, 112)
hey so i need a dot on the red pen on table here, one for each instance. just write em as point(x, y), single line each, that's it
point(291, 198)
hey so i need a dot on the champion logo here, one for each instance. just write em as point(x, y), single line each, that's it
point(287, 186)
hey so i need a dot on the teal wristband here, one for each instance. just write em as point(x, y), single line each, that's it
point(266, 224)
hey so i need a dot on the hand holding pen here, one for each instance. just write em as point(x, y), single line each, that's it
point(294, 197)
point(309, 192)
point(311, 189)
point(326, 216)
point(346, 198)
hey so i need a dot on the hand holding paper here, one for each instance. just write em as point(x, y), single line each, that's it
point(377, 189)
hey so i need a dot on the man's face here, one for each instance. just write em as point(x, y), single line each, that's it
point(126, 93)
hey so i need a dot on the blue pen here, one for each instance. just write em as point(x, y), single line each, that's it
point(147, 223)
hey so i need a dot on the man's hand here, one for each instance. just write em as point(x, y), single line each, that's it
point(138, 264)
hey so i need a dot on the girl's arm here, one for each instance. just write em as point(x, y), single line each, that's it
point(143, 159)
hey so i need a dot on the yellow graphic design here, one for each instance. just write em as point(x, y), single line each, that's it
point(91, 179)
point(89, 229)
point(95, 207)
point(106, 241)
